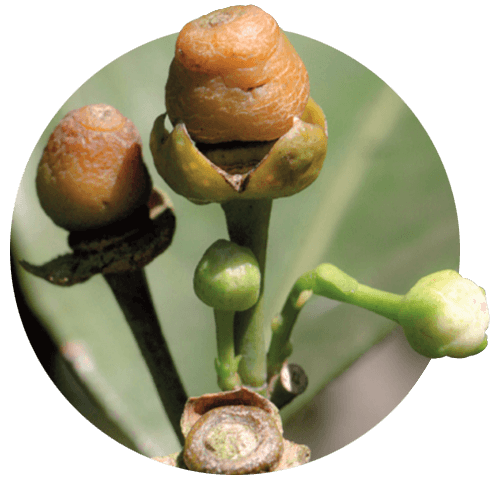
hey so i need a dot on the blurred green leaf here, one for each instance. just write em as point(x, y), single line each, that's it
point(382, 210)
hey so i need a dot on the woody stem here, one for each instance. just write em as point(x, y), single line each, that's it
point(134, 298)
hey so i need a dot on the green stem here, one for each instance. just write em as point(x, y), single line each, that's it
point(248, 225)
point(330, 282)
point(280, 347)
point(227, 363)
point(132, 293)
point(378, 301)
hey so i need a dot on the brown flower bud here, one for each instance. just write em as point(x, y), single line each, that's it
point(91, 173)
point(235, 77)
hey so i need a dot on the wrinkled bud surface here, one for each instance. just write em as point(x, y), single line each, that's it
point(235, 77)
point(91, 173)
point(445, 314)
point(238, 97)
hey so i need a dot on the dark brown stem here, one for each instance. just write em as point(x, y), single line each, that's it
point(132, 293)
point(288, 384)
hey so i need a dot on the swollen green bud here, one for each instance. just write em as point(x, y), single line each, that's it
point(228, 277)
point(444, 314)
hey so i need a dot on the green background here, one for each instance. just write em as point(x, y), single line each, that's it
point(381, 210)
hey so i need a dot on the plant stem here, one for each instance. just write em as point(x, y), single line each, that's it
point(248, 225)
point(134, 298)
point(330, 282)
point(378, 301)
point(227, 363)
point(280, 347)
point(224, 335)
point(289, 383)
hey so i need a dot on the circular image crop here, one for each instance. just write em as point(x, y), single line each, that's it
point(382, 210)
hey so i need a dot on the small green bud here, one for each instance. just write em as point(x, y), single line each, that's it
point(228, 277)
point(444, 314)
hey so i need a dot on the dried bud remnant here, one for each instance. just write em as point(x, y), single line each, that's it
point(235, 77)
point(234, 440)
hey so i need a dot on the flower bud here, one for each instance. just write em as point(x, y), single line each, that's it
point(444, 314)
point(228, 277)
point(244, 125)
point(235, 77)
point(92, 173)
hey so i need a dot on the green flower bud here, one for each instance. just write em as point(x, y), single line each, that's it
point(228, 277)
point(444, 314)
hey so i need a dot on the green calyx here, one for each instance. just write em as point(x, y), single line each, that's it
point(228, 277)
point(242, 171)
